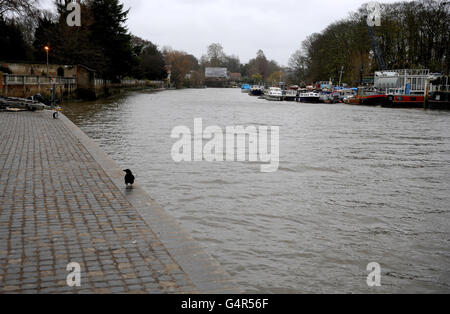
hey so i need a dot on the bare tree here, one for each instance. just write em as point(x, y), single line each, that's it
point(298, 65)
point(216, 56)
point(179, 64)
point(18, 7)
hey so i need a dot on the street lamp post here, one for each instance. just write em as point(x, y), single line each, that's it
point(47, 49)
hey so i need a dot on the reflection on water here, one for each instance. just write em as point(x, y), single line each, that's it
point(355, 185)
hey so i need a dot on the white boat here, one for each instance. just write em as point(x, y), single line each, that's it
point(309, 97)
point(290, 95)
point(274, 93)
point(257, 90)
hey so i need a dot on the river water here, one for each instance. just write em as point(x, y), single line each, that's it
point(355, 185)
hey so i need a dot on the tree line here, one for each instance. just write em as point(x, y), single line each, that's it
point(102, 42)
point(188, 71)
point(412, 34)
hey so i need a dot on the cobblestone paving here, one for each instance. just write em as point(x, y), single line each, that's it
point(58, 206)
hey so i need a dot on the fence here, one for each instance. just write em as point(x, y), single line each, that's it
point(128, 82)
point(439, 88)
point(9, 79)
point(133, 82)
point(26, 85)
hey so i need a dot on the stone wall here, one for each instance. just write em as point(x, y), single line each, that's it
point(41, 69)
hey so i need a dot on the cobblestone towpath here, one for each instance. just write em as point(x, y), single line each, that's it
point(62, 201)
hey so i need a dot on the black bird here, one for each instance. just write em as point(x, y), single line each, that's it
point(129, 178)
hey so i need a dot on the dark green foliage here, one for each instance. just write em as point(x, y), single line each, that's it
point(111, 38)
point(102, 42)
point(44, 35)
point(68, 45)
point(152, 63)
point(12, 42)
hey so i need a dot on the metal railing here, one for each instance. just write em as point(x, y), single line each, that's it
point(439, 88)
point(128, 82)
point(101, 82)
point(133, 82)
point(12, 79)
point(399, 79)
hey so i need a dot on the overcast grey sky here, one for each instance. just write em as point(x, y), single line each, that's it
point(241, 26)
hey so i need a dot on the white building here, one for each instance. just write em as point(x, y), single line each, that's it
point(216, 73)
